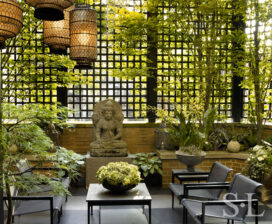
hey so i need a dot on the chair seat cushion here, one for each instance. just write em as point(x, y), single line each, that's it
point(44, 188)
point(178, 190)
point(194, 208)
point(33, 206)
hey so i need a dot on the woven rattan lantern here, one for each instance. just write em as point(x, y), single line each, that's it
point(83, 35)
point(56, 34)
point(50, 9)
point(11, 19)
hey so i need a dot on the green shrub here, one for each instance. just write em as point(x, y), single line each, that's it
point(259, 162)
point(119, 174)
point(148, 163)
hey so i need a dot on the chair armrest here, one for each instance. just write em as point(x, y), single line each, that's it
point(183, 172)
point(195, 185)
point(47, 168)
point(30, 198)
point(205, 204)
point(194, 177)
point(192, 173)
point(209, 185)
point(224, 202)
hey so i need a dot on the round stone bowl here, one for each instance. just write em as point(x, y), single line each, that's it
point(118, 188)
point(190, 160)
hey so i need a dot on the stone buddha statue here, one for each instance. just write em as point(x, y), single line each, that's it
point(108, 126)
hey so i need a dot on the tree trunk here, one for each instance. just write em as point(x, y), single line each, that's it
point(9, 205)
point(210, 73)
point(256, 78)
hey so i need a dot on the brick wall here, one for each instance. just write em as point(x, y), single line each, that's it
point(139, 138)
point(236, 161)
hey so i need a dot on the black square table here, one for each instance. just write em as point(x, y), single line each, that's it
point(98, 195)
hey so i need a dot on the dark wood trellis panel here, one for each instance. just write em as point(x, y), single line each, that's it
point(237, 99)
point(180, 49)
point(83, 98)
point(133, 95)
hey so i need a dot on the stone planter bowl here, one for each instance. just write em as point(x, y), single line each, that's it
point(190, 160)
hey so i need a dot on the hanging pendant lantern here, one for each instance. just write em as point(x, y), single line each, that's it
point(56, 34)
point(83, 35)
point(50, 9)
point(11, 20)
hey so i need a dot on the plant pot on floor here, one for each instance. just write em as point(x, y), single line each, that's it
point(153, 180)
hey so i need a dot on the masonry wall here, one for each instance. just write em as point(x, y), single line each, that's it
point(139, 138)
point(236, 161)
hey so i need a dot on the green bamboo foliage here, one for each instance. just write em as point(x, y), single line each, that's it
point(256, 69)
point(197, 29)
point(22, 136)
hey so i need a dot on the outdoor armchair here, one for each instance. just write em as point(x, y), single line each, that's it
point(217, 175)
point(32, 204)
point(36, 199)
point(239, 193)
point(27, 170)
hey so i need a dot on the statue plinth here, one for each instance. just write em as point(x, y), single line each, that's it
point(108, 152)
point(108, 126)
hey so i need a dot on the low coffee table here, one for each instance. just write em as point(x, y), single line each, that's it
point(98, 195)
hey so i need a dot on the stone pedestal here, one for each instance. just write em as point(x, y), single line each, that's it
point(93, 164)
point(110, 152)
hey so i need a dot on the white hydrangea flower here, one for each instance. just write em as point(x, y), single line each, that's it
point(257, 148)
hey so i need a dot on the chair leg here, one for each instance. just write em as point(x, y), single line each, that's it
point(256, 215)
point(172, 199)
point(19, 219)
point(203, 214)
point(59, 214)
point(185, 214)
point(51, 212)
point(256, 212)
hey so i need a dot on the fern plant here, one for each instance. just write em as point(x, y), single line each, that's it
point(190, 135)
point(21, 136)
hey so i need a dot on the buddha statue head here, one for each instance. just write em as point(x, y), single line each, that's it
point(108, 110)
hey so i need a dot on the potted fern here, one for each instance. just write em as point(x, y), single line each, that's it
point(191, 136)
